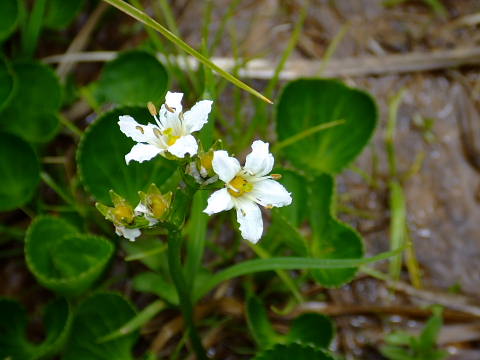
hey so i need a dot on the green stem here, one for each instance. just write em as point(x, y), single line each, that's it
point(176, 272)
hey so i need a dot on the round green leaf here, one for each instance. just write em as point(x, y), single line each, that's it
point(311, 102)
point(7, 82)
point(62, 259)
point(19, 172)
point(14, 344)
point(32, 113)
point(293, 351)
point(133, 78)
point(312, 329)
point(100, 315)
point(8, 17)
point(101, 159)
point(332, 239)
point(60, 13)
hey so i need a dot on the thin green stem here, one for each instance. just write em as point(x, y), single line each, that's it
point(184, 296)
point(331, 48)
point(289, 283)
point(33, 28)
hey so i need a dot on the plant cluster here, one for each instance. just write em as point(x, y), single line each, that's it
point(157, 181)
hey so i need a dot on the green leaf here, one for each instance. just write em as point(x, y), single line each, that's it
point(101, 159)
point(307, 103)
point(19, 172)
point(297, 212)
point(395, 353)
point(8, 82)
point(332, 239)
point(429, 335)
point(133, 78)
point(98, 316)
point(14, 344)
point(283, 263)
point(8, 17)
point(313, 329)
point(293, 351)
point(287, 220)
point(258, 323)
point(144, 316)
point(62, 259)
point(153, 283)
point(60, 13)
point(32, 113)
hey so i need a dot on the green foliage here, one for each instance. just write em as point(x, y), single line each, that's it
point(32, 112)
point(293, 351)
point(312, 329)
point(259, 324)
point(97, 316)
point(332, 239)
point(7, 82)
point(14, 344)
point(60, 13)
point(133, 78)
point(101, 161)
point(19, 172)
point(9, 13)
point(401, 345)
point(310, 102)
point(62, 259)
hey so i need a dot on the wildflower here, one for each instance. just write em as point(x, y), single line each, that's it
point(201, 168)
point(246, 187)
point(172, 132)
point(153, 205)
point(121, 215)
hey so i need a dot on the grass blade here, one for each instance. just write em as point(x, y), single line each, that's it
point(147, 20)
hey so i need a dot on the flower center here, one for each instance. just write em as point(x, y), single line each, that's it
point(239, 186)
point(171, 139)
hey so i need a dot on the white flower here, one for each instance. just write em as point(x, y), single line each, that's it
point(172, 132)
point(130, 234)
point(246, 187)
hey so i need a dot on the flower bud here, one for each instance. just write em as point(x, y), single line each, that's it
point(154, 205)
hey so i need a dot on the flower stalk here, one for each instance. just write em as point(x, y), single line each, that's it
point(184, 295)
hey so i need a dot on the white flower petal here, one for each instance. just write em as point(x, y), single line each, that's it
point(184, 145)
point(142, 152)
point(249, 217)
point(130, 234)
point(259, 162)
point(270, 193)
point(174, 101)
point(197, 116)
point(225, 167)
point(132, 129)
point(219, 201)
point(141, 209)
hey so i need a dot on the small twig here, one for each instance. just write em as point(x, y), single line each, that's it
point(81, 40)
point(353, 67)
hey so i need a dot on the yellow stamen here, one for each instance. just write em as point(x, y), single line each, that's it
point(240, 186)
point(276, 176)
point(171, 109)
point(139, 128)
point(152, 108)
point(172, 139)
point(157, 133)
